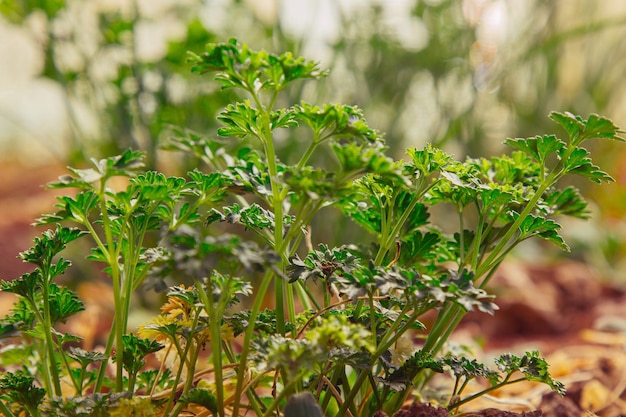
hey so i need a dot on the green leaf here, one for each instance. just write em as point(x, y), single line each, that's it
point(573, 125)
point(226, 289)
point(25, 286)
point(404, 375)
point(50, 243)
point(427, 161)
point(568, 202)
point(202, 397)
point(64, 303)
point(538, 147)
point(19, 387)
point(126, 164)
point(544, 228)
point(63, 338)
point(336, 120)
point(238, 66)
point(495, 198)
point(85, 357)
point(153, 186)
point(22, 315)
point(265, 322)
point(135, 350)
point(240, 120)
point(419, 247)
point(252, 217)
point(594, 127)
point(580, 163)
point(250, 173)
point(533, 366)
point(322, 263)
point(601, 127)
point(77, 209)
point(357, 159)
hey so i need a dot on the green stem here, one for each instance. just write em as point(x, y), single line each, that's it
point(188, 360)
point(34, 412)
point(245, 348)
point(462, 237)
point(337, 372)
point(5, 410)
point(191, 365)
point(215, 318)
point(105, 363)
point(112, 250)
point(483, 392)
point(307, 154)
point(47, 325)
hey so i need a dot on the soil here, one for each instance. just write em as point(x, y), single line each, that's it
point(575, 318)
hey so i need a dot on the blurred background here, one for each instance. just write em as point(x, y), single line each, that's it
point(88, 78)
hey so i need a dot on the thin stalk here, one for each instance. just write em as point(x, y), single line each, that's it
point(216, 343)
point(308, 301)
point(191, 364)
point(276, 202)
point(42, 348)
point(107, 352)
point(476, 243)
point(456, 318)
point(309, 151)
point(5, 410)
point(462, 238)
point(345, 383)
point(245, 347)
point(113, 253)
point(34, 411)
point(373, 323)
point(186, 359)
point(506, 381)
point(47, 324)
point(388, 239)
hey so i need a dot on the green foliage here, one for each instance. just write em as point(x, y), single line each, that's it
point(201, 397)
point(19, 388)
point(336, 315)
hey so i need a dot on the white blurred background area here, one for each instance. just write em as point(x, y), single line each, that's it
point(463, 74)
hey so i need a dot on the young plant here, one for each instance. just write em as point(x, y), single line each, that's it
point(286, 325)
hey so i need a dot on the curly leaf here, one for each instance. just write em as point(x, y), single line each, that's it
point(63, 303)
point(202, 397)
point(534, 368)
point(544, 228)
point(127, 164)
point(19, 387)
point(539, 147)
point(594, 127)
point(568, 202)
